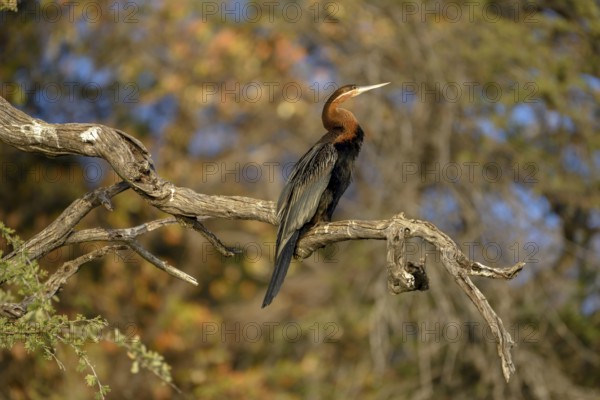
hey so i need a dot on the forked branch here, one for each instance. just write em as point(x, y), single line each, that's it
point(131, 161)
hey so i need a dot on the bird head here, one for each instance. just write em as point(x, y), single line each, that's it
point(348, 91)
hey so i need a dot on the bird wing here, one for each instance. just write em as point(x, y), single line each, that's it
point(297, 205)
point(300, 197)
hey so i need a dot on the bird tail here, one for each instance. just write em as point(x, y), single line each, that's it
point(282, 263)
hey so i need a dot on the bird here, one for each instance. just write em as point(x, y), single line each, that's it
point(317, 181)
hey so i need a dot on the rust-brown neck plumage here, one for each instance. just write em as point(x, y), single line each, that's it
point(338, 120)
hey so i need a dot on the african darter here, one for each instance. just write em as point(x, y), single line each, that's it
point(317, 181)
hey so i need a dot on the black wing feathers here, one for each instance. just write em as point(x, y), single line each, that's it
point(297, 205)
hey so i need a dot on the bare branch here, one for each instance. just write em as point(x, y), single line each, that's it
point(55, 234)
point(402, 279)
point(496, 273)
point(211, 237)
point(132, 162)
point(135, 246)
point(12, 310)
point(117, 235)
point(128, 236)
point(70, 268)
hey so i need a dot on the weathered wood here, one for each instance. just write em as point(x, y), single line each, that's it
point(132, 162)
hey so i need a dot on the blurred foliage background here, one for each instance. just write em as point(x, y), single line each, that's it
point(488, 130)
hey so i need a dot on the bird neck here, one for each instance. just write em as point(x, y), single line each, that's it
point(338, 120)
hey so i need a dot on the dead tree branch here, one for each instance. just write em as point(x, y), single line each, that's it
point(131, 161)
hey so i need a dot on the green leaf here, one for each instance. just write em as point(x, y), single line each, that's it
point(90, 380)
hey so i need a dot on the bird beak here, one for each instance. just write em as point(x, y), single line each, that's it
point(362, 89)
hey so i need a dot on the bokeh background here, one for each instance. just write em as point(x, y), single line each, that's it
point(488, 130)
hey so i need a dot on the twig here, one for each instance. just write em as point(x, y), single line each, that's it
point(208, 235)
point(157, 262)
point(479, 269)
